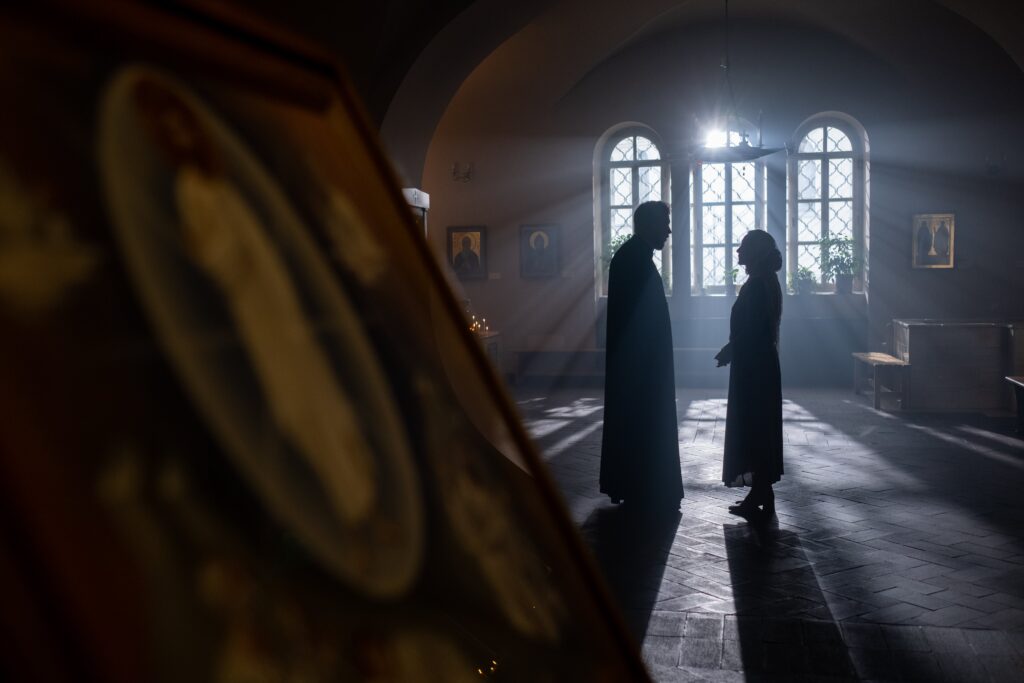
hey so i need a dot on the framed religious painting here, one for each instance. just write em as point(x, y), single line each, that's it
point(933, 240)
point(539, 250)
point(245, 431)
point(467, 251)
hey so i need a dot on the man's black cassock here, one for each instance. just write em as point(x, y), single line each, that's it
point(753, 422)
point(640, 444)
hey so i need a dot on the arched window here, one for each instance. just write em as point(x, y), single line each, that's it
point(633, 171)
point(827, 192)
point(728, 200)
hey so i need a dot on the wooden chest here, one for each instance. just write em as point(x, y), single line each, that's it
point(958, 365)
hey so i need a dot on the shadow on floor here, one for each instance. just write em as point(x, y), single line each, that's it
point(782, 626)
point(950, 490)
point(631, 547)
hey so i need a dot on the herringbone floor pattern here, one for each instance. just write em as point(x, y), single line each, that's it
point(897, 553)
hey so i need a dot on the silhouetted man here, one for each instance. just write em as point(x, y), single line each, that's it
point(640, 446)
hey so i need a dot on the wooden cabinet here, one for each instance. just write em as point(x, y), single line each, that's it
point(956, 365)
point(1017, 348)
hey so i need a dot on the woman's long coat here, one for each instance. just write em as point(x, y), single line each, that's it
point(753, 423)
point(640, 443)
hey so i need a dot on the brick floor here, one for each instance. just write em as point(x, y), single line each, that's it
point(897, 553)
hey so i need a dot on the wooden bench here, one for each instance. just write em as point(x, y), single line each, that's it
point(888, 375)
point(1018, 394)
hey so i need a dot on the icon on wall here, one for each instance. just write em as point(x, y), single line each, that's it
point(280, 375)
point(933, 240)
point(467, 251)
point(539, 246)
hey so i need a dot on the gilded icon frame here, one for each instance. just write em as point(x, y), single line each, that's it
point(462, 261)
point(933, 240)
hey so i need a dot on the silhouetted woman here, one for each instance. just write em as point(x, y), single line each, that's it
point(753, 423)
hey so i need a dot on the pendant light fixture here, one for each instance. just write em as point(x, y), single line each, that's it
point(722, 145)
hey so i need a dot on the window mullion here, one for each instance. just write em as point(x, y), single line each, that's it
point(859, 190)
point(759, 203)
point(606, 213)
point(697, 228)
point(824, 211)
point(792, 214)
point(729, 287)
point(635, 180)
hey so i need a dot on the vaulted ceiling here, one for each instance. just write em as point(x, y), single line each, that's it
point(380, 42)
point(410, 58)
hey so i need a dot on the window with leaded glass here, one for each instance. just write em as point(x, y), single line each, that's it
point(826, 191)
point(635, 173)
point(728, 202)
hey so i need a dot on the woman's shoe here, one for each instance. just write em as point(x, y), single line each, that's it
point(754, 503)
point(745, 508)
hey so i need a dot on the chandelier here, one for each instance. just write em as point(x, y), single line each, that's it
point(723, 143)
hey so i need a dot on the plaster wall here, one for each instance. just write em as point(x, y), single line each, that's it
point(942, 107)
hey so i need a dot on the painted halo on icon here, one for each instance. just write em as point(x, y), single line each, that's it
point(259, 332)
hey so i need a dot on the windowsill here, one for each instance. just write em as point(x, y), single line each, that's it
point(788, 295)
point(851, 294)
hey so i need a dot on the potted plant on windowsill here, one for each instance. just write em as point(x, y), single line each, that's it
point(612, 247)
point(609, 251)
point(733, 274)
point(802, 281)
point(840, 264)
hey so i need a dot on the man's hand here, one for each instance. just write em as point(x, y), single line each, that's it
point(724, 356)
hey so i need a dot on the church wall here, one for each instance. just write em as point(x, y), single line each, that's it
point(942, 113)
